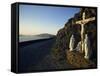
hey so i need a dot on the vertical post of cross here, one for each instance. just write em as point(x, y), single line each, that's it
point(82, 23)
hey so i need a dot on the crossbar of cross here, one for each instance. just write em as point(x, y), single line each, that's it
point(82, 23)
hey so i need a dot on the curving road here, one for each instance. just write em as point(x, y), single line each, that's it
point(32, 54)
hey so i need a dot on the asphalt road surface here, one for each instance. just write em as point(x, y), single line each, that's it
point(31, 55)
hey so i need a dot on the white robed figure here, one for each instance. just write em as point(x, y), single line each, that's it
point(78, 47)
point(87, 47)
point(72, 42)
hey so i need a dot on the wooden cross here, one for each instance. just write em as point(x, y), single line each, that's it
point(82, 23)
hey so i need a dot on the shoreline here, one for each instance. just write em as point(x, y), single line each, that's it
point(33, 41)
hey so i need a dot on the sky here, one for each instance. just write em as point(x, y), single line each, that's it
point(35, 19)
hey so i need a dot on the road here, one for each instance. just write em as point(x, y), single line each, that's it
point(32, 54)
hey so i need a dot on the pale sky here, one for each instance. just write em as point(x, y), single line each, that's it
point(35, 19)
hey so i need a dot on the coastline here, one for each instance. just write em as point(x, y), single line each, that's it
point(33, 41)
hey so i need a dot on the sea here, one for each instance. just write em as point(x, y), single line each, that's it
point(29, 38)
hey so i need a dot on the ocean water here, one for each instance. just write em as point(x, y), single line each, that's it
point(28, 38)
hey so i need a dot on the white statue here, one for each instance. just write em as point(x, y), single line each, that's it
point(87, 47)
point(78, 47)
point(72, 42)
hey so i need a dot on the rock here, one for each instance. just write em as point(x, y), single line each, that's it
point(64, 34)
point(77, 59)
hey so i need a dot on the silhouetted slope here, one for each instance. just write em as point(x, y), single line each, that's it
point(64, 34)
point(31, 55)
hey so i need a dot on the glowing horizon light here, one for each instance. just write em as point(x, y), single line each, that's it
point(40, 19)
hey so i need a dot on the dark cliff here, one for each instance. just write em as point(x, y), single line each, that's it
point(64, 34)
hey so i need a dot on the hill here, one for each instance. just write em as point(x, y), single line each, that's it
point(63, 38)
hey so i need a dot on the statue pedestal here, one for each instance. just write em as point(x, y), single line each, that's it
point(77, 59)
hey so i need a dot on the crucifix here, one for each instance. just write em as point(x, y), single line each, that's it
point(82, 23)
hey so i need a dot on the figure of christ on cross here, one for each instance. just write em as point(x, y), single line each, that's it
point(82, 23)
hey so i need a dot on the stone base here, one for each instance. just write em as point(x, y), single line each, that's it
point(77, 59)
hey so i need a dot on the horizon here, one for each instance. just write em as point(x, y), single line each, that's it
point(35, 19)
point(36, 34)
